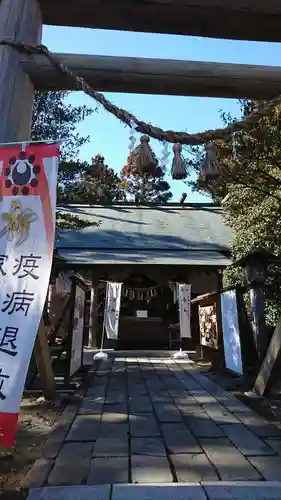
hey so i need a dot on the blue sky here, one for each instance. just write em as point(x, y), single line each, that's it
point(108, 136)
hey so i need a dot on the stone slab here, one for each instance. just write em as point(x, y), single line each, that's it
point(269, 467)
point(203, 426)
point(72, 464)
point(194, 409)
point(228, 461)
point(118, 386)
point(143, 425)
point(52, 447)
point(207, 383)
point(115, 397)
point(70, 493)
point(184, 399)
point(139, 404)
point(109, 470)
point(160, 397)
point(158, 492)
point(193, 467)
point(137, 389)
point(173, 385)
point(258, 425)
point(91, 405)
point(189, 383)
point(148, 446)
point(178, 439)
point(84, 428)
point(203, 397)
point(148, 469)
point(113, 429)
point(96, 392)
point(167, 413)
point(246, 442)
point(220, 414)
point(58, 433)
point(114, 414)
point(112, 446)
point(38, 473)
point(275, 444)
point(155, 387)
point(233, 404)
point(243, 490)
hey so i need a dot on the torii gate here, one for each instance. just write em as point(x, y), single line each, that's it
point(237, 19)
point(22, 20)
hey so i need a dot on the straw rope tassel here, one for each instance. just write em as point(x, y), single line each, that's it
point(179, 169)
point(210, 169)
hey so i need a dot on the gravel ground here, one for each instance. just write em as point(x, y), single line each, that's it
point(36, 420)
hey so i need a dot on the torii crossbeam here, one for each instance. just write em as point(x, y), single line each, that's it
point(233, 19)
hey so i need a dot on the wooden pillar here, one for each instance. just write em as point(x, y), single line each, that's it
point(19, 20)
point(259, 325)
point(43, 362)
point(270, 368)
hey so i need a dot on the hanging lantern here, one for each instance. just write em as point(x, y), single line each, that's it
point(210, 169)
point(179, 167)
point(143, 158)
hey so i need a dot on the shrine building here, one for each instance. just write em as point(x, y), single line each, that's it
point(149, 249)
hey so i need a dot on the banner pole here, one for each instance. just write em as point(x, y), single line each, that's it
point(104, 316)
point(30, 142)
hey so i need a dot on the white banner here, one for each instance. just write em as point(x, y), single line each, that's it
point(184, 292)
point(112, 309)
point(78, 330)
point(27, 226)
point(231, 333)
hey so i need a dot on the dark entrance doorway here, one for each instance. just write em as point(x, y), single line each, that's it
point(146, 310)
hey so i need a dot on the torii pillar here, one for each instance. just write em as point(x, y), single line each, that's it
point(19, 20)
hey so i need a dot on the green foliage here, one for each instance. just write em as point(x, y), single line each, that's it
point(99, 184)
point(53, 119)
point(251, 179)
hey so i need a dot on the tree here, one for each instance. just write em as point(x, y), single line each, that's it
point(251, 178)
point(53, 119)
point(144, 187)
point(99, 184)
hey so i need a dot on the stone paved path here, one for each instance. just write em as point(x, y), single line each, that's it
point(154, 420)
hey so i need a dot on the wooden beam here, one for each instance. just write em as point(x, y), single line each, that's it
point(156, 76)
point(270, 363)
point(19, 20)
point(234, 19)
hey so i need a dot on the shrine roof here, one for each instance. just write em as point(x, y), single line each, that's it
point(139, 233)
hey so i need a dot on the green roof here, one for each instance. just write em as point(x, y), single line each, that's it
point(148, 234)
